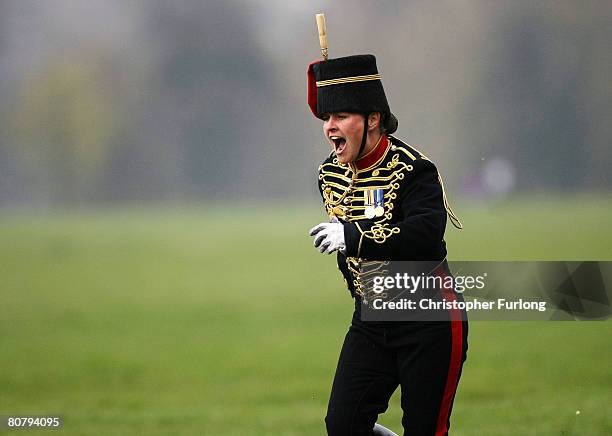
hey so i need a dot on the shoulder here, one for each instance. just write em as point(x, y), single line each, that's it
point(330, 170)
point(331, 165)
point(410, 155)
point(330, 159)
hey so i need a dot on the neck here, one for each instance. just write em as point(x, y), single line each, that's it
point(371, 142)
point(375, 155)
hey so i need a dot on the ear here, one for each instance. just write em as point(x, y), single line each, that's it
point(374, 121)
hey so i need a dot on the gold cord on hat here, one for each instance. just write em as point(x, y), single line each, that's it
point(341, 80)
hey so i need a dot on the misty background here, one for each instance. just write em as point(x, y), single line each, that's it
point(114, 102)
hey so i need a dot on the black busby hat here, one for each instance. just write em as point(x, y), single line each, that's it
point(348, 84)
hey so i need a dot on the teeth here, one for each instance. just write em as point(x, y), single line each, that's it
point(334, 137)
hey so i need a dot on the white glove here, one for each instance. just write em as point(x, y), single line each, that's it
point(329, 237)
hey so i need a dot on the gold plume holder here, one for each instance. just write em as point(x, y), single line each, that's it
point(322, 35)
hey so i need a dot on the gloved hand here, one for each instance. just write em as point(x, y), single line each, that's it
point(329, 237)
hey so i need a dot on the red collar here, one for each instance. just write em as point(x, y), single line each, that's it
point(374, 155)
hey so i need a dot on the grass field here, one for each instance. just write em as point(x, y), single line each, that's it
point(227, 322)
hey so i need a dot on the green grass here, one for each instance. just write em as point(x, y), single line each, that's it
point(227, 322)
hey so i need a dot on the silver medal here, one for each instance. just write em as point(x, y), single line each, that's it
point(370, 212)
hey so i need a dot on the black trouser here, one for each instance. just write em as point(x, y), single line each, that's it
point(424, 358)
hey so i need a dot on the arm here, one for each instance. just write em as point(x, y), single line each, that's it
point(419, 233)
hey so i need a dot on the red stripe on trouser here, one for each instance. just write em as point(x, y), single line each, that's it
point(454, 365)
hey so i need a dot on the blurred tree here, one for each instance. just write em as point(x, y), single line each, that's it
point(63, 125)
point(542, 97)
point(214, 91)
point(183, 100)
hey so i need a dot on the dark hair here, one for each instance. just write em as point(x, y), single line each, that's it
point(382, 124)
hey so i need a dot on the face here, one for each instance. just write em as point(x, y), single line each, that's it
point(344, 131)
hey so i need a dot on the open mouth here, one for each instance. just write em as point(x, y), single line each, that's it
point(339, 144)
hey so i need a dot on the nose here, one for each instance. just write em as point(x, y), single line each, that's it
point(329, 125)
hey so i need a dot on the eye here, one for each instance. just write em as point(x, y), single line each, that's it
point(325, 117)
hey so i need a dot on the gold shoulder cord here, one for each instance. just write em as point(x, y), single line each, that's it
point(449, 210)
point(451, 214)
